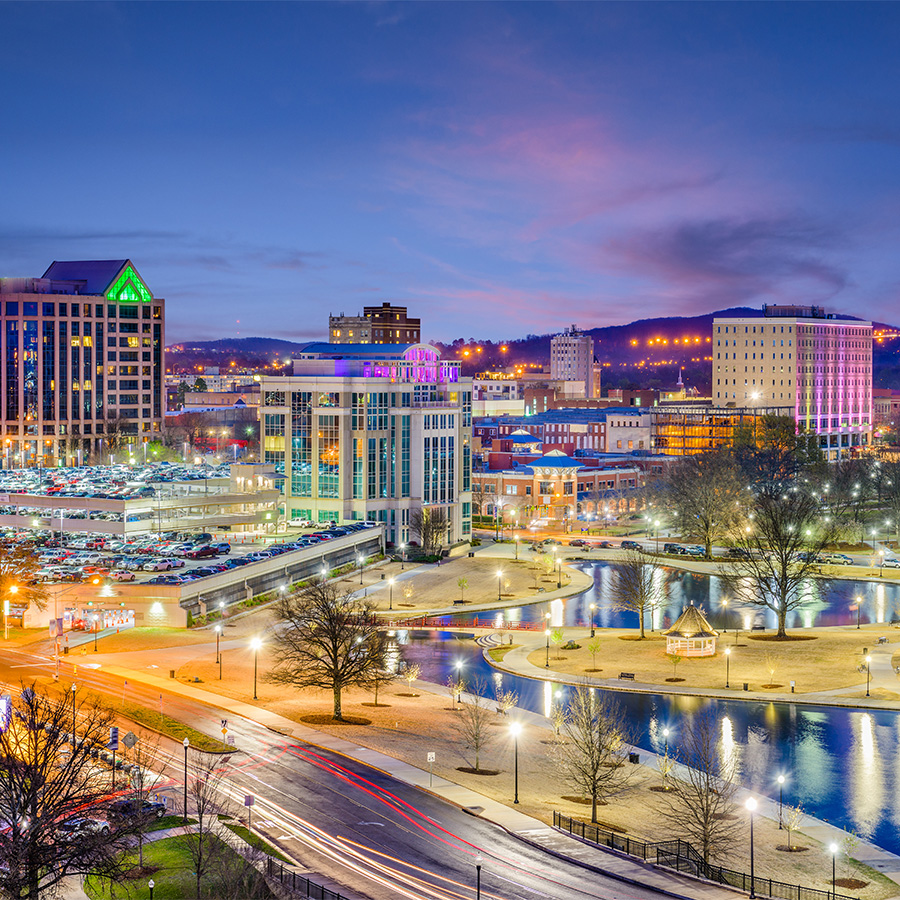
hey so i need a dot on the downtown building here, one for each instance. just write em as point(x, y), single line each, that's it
point(372, 432)
point(83, 363)
point(813, 366)
point(572, 359)
point(385, 324)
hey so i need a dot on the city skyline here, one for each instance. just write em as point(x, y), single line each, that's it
point(483, 164)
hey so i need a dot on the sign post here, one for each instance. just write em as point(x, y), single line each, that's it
point(248, 802)
point(113, 745)
point(430, 768)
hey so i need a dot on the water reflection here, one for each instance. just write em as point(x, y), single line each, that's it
point(823, 603)
point(833, 759)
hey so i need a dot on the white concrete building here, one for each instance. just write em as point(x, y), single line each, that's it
point(372, 432)
point(572, 358)
point(815, 366)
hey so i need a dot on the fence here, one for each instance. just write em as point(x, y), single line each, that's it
point(445, 622)
point(299, 884)
point(682, 857)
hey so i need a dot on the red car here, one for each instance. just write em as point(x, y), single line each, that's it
point(204, 552)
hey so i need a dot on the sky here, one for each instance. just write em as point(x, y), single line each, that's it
point(500, 168)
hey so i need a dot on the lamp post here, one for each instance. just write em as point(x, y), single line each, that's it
point(390, 594)
point(834, 852)
point(402, 556)
point(256, 643)
point(360, 560)
point(74, 688)
point(458, 666)
point(666, 759)
point(547, 635)
point(187, 744)
point(868, 673)
point(780, 802)
point(593, 607)
point(151, 884)
point(96, 629)
point(499, 585)
point(218, 631)
point(656, 528)
point(14, 589)
point(558, 569)
point(728, 667)
point(725, 616)
point(858, 604)
point(751, 807)
point(516, 728)
point(517, 546)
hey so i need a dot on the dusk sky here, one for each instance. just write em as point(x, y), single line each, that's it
point(501, 168)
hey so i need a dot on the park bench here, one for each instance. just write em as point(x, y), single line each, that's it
point(882, 640)
point(459, 602)
point(626, 676)
point(757, 627)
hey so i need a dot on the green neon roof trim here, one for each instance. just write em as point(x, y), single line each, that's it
point(129, 288)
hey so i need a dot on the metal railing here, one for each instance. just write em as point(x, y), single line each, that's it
point(299, 884)
point(444, 622)
point(684, 858)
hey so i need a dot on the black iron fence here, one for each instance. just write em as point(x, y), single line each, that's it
point(683, 857)
point(299, 884)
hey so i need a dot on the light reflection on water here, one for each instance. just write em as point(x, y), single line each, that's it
point(833, 759)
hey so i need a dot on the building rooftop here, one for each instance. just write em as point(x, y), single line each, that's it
point(96, 274)
point(691, 624)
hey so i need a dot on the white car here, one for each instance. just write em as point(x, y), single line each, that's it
point(301, 523)
point(75, 829)
point(158, 565)
point(892, 563)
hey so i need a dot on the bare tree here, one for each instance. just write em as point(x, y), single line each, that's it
point(780, 547)
point(558, 636)
point(145, 777)
point(506, 700)
point(701, 800)
point(705, 492)
point(328, 640)
point(462, 584)
point(411, 672)
point(637, 585)
point(597, 746)
point(474, 722)
point(204, 843)
point(594, 647)
point(792, 816)
point(381, 678)
point(430, 524)
point(18, 578)
point(49, 781)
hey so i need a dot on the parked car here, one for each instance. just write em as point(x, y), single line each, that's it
point(892, 563)
point(578, 542)
point(695, 550)
point(131, 807)
point(301, 523)
point(221, 547)
point(80, 828)
point(122, 575)
point(204, 551)
point(838, 559)
point(631, 545)
point(740, 553)
point(673, 548)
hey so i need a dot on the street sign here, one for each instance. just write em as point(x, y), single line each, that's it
point(129, 740)
point(431, 757)
point(230, 740)
point(113, 743)
point(5, 711)
point(248, 800)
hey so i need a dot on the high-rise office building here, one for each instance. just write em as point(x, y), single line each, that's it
point(83, 363)
point(385, 324)
point(815, 366)
point(572, 358)
point(372, 432)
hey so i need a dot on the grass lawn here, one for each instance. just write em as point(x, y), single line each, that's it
point(254, 840)
point(169, 864)
point(828, 661)
point(170, 727)
point(167, 822)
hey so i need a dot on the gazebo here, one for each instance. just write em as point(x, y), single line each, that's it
point(691, 635)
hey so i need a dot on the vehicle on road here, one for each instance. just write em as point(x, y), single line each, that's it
point(631, 545)
point(80, 828)
point(130, 807)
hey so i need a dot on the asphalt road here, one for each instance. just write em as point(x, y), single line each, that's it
point(369, 835)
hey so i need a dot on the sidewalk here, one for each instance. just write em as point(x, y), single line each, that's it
point(524, 827)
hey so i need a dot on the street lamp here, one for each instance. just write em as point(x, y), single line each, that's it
point(868, 673)
point(218, 631)
point(458, 666)
point(728, 667)
point(402, 556)
point(74, 688)
point(256, 643)
point(780, 801)
point(187, 744)
point(14, 589)
point(858, 604)
point(96, 629)
point(547, 635)
point(360, 560)
point(558, 569)
point(516, 729)
point(834, 852)
point(517, 546)
point(499, 585)
point(593, 607)
point(725, 616)
point(751, 807)
point(391, 594)
point(656, 527)
point(151, 884)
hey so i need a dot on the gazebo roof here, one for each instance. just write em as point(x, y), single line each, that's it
point(691, 624)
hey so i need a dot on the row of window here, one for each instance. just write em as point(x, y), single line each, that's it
point(49, 309)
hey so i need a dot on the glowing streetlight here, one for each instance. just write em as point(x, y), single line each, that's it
point(751, 808)
point(516, 729)
point(256, 643)
point(728, 667)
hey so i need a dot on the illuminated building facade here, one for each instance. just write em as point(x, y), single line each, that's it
point(385, 324)
point(572, 359)
point(83, 363)
point(372, 432)
point(816, 366)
